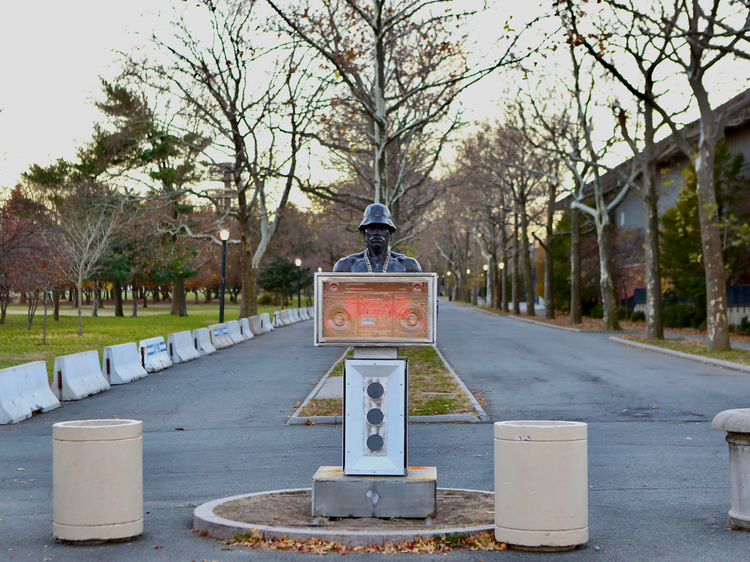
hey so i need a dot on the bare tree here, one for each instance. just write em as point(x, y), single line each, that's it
point(398, 69)
point(568, 136)
point(86, 231)
point(698, 35)
point(254, 117)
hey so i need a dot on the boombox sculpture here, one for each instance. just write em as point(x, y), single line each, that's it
point(375, 313)
point(375, 310)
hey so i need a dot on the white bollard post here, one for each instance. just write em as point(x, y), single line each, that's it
point(97, 480)
point(541, 484)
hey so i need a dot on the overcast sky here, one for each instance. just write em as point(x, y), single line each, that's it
point(53, 53)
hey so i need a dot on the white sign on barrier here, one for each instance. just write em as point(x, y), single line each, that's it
point(202, 341)
point(181, 348)
point(78, 376)
point(24, 389)
point(122, 364)
point(220, 336)
point(154, 355)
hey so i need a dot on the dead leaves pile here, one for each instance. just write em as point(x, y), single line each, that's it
point(435, 545)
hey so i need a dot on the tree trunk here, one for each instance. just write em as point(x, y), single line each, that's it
point(549, 262)
point(713, 258)
point(575, 267)
point(80, 304)
point(380, 132)
point(528, 278)
point(145, 297)
point(654, 322)
point(95, 308)
point(249, 305)
point(506, 268)
point(44, 330)
point(134, 291)
point(56, 303)
point(117, 294)
point(179, 307)
point(516, 279)
point(609, 301)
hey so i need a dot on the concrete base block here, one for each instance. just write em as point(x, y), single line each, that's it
point(410, 496)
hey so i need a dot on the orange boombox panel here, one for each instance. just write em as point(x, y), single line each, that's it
point(375, 309)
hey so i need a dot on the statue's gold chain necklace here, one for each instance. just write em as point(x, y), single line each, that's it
point(385, 265)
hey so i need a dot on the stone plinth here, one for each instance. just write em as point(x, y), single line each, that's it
point(410, 496)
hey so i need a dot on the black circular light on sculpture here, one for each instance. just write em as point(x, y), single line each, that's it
point(375, 390)
point(375, 416)
point(375, 442)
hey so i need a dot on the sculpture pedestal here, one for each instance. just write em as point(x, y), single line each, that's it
point(413, 496)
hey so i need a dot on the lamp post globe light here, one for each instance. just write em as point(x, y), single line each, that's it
point(298, 262)
point(224, 235)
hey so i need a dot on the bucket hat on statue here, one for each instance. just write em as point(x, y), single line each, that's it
point(377, 214)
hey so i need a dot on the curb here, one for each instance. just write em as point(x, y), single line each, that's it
point(295, 419)
point(545, 324)
point(204, 520)
point(481, 414)
point(697, 358)
point(480, 417)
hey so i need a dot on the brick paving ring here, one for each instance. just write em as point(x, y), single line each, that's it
point(287, 513)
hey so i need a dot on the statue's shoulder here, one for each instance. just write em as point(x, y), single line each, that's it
point(410, 264)
point(345, 264)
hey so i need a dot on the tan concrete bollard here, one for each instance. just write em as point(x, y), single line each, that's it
point(541, 484)
point(97, 480)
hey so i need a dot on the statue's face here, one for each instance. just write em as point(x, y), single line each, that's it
point(377, 237)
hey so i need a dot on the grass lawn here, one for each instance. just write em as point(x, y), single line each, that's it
point(19, 345)
point(696, 348)
point(432, 388)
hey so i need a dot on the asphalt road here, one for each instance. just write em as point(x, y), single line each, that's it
point(659, 477)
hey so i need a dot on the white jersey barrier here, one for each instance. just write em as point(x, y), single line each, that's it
point(255, 326)
point(122, 364)
point(181, 348)
point(266, 324)
point(245, 329)
point(78, 376)
point(154, 355)
point(220, 336)
point(25, 389)
point(202, 341)
point(277, 323)
point(304, 313)
point(296, 315)
point(285, 320)
point(233, 327)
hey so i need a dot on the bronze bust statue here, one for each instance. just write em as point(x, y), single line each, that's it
point(377, 227)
